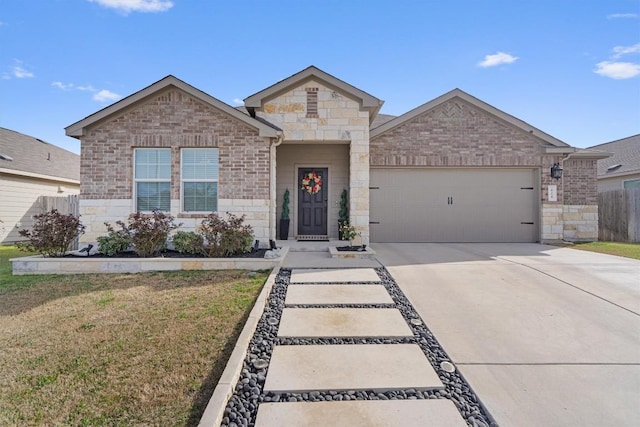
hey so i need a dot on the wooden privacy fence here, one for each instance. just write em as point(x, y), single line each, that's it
point(65, 205)
point(619, 215)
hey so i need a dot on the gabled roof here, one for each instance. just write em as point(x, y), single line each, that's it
point(367, 101)
point(26, 155)
point(625, 159)
point(457, 93)
point(77, 129)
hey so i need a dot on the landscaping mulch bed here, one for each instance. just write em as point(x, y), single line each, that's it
point(351, 248)
point(259, 253)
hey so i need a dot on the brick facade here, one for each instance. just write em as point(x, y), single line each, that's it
point(455, 133)
point(175, 120)
point(315, 116)
point(579, 183)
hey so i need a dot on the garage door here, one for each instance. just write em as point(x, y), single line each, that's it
point(454, 205)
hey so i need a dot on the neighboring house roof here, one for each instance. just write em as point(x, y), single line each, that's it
point(381, 119)
point(26, 155)
point(77, 129)
point(625, 159)
point(457, 93)
point(367, 101)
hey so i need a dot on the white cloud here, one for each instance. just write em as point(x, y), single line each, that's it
point(20, 72)
point(238, 101)
point(497, 59)
point(105, 95)
point(619, 51)
point(623, 15)
point(126, 6)
point(62, 86)
point(617, 70)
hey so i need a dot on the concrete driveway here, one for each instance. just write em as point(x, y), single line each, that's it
point(546, 336)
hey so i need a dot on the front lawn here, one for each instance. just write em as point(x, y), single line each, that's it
point(128, 349)
point(629, 250)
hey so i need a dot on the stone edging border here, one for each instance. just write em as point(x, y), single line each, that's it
point(37, 264)
point(214, 411)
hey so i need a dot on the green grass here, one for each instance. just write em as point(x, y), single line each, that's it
point(629, 250)
point(116, 349)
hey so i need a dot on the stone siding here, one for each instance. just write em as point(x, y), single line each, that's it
point(339, 120)
point(580, 222)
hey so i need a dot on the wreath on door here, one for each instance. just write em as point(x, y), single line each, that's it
point(311, 183)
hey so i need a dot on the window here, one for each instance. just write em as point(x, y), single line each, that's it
point(152, 176)
point(632, 183)
point(199, 179)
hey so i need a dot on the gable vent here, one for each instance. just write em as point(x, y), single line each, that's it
point(312, 102)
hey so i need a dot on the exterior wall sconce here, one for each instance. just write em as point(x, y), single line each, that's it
point(556, 171)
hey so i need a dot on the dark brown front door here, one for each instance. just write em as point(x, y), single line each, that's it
point(312, 201)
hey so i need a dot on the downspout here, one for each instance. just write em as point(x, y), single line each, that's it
point(272, 184)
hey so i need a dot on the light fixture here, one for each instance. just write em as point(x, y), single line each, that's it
point(556, 171)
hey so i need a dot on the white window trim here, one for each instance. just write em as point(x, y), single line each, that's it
point(183, 180)
point(137, 180)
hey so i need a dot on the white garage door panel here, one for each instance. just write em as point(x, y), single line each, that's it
point(454, 205)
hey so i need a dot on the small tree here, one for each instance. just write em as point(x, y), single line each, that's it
point(52, 233)
point(285, 205)
point(343, 214)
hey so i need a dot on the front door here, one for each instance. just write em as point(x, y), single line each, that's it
point(312, 201)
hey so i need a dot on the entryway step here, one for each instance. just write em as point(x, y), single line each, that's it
point(337, 294)
point(343, 322)
point(379, 367)
point(361, 413)
point(342, 275)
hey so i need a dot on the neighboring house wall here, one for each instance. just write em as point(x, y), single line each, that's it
point(333, 156)
point(19, 202)
point(339, 119)
point(616, 183)
point(173, 119)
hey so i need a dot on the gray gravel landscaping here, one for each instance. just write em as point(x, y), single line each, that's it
point(242, 407)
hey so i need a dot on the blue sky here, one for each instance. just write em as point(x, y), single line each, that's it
point(569, 68)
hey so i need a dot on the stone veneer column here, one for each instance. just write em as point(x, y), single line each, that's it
point(359, 183)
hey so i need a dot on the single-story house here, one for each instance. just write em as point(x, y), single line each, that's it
point(30, 168)
point(452, 170)
point(622, 169)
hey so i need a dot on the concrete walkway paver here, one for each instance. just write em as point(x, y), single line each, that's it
point(343, 322)
point(337, 294)
point(379, 367)
point(361, 413)
point(345, 275)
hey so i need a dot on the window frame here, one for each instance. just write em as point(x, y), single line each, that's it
point(141, 180)
point(183, 180)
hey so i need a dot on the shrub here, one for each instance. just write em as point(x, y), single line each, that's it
point(114, 243)
point(52, 233)
point(188, 242)
point(225, 237)
point(148, 232)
